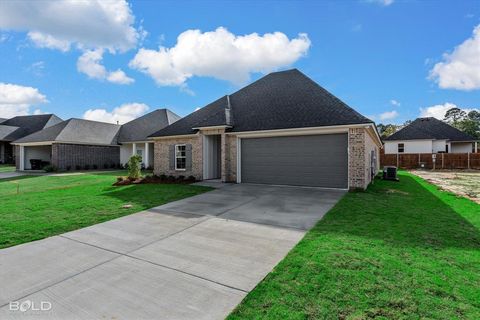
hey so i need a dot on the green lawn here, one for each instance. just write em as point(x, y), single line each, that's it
point(400, 250)
point(50, 205)
point(7, 168)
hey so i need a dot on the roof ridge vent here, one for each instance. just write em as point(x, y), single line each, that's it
point(228, 120)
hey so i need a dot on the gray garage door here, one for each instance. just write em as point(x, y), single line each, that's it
point(320, 160)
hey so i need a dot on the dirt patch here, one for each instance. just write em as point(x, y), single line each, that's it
point(465, 183)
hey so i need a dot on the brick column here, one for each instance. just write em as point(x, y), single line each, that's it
point(356, 158)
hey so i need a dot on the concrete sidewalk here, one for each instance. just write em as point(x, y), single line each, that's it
point(196, 258)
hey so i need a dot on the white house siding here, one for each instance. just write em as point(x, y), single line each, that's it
point(411, 146)
point(125, 152)
point(370, 146)
point(439, 145)
point(461, 147)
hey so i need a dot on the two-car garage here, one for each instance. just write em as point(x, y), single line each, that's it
point(308, 160)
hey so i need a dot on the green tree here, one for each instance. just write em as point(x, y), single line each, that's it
point(134, 164)
point(386, 130)
point(455, 116)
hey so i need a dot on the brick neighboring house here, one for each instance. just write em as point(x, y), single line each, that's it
point(283, 129)
point(77, 143)
point(18, 127)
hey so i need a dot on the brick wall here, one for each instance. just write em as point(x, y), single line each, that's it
point(229, 154)
point(356, 159)
point(17, 157)
point(73, 155)
point(162, 161)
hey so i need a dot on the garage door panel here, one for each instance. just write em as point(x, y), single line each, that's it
point(320, 160)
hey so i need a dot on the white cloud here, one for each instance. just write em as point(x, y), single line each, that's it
point(385, 3)
point(47, 41)
point(59, 24)
point(89, 63)
point(395, 103)
point(16, 100)
point(124, 113)
point(461, 68)
point(119, 77)
point(388, 115)
point(438, 111)
point(219, 54)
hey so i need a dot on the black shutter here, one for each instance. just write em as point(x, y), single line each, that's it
point(171, 156)
point(188, 160)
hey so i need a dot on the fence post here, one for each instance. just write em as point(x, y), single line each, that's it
point(468, 157)
point(419, 160)
point(443, 160)
point(397, 159)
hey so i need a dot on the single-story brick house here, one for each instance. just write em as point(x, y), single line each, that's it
point(18, 127)
point(283, 129)
point(429, 135)
point(79, 144)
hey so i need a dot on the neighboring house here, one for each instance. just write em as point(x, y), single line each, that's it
point(18, 127)
point(429, 135)
point(283, 129)
point(133, 135)
point(79, 144)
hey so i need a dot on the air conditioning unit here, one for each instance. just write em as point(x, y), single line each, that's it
point(390, 173)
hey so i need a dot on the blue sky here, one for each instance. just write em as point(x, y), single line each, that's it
point(374, 55)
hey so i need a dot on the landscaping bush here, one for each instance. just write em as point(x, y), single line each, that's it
point(180, 178)
point(87, 167)
point(112, 166)
point(191, 179)
point(50, 168)
point(69, 168)
point(171, 179)
point(105, 166)
point(78, 167)
point(163, 177)
point(95, 167)
point(134, 167)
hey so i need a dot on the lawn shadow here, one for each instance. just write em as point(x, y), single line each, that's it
point(404, 213)
point(16, 178)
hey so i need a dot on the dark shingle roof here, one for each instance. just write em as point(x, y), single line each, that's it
point(280, 100)
point(140, 128)
point(2, 120)
point(27, 125)
point(429, 128)
point(76, 131)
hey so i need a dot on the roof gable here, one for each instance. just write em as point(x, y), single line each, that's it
point(76, 131)
point(280, 100)
point(28, 124)
point(139, 129)
point(429, 128)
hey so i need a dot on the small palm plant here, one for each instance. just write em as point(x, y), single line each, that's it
point(134, 164)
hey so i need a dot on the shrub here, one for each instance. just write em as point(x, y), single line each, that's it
point(78, 167)
point(105, 166)
point(69, 168)
point(191, 178)
point(87, 167)
point(120, 179)
point(49, 168)
point(163, 177)
point(95, 167)
point(180, 178)
point(171, 178)
point(112, 165)
point(150, 168)
point(134, 166)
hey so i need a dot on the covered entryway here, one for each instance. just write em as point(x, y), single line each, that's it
point(315, 160)
point(212, 155)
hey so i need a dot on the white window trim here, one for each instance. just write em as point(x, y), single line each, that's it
point(175, 150)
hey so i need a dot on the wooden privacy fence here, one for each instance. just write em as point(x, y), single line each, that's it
point(425, 160)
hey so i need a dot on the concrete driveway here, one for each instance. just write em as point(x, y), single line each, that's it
point(195, 258)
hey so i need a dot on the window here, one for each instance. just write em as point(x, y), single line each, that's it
point(180, 157)
point(401, 148)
